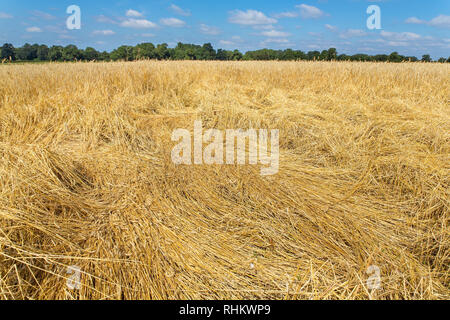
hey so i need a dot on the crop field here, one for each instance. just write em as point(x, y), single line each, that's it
point(358, 209)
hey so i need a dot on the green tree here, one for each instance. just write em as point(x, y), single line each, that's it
point(426, 58)
point(144, 51)
point(441, 60)
point(55, 53)
point(236, 55)
point(208, 52)
point(8, 52)
point(71, 53)
point(90, 54)
point(332, 54)
point(104, 56)
point(42, 53)
point(123, 53)
point(395, 57)
point(313, 55)
point(162, 52)
point(324, 55)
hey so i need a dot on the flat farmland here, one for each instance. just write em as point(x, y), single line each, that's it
point(359, 207)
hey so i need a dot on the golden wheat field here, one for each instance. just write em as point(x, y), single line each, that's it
point(87, 180)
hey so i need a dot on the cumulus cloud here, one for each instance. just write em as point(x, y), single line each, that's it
point(134, 13)
point(4, 15)
point(180, 11)
point(350, 33)
point(105, 19)
point(310, 12)
point(172, 22)
point(276, 41)
point(400, 36)
point(250, 18)
point(226, 42)
point(34, 29)
point(209, 30)
point(442, 21)
point(104, 32)
point(275, 34)
point(288, 14)
point(43, 15)
point(138, 24)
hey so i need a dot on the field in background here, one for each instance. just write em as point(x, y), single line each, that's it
point(87, 180)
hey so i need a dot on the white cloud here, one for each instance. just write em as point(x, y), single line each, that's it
point(105, 19)
point(276, 41)
point(250, 18)
point(134, 13)
point(398, 43)
point(226, 42)
point(264, 27)
point(414, 20)
point(4, 15)
point(288, 14)
point(34, 29)
point(439, 21)
point(104, 32)
point(209, 30)
point(352, 33)
point(310, 12)
point(275, 34)
point(179, 11)
point(400, 36)
point(331, 28)
point(172, 22)
point(138, 24)
point(43, 15)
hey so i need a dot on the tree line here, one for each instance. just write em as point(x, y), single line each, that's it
point(184, 51)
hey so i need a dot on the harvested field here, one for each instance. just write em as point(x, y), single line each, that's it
point(87, 180)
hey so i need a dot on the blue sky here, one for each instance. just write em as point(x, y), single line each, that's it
point(411, 27)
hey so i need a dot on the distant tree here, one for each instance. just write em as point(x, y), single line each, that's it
point(42, 53)
point(8, 52)
point(313, 55)
point(442, 60)
point(123, 53)
point(324, 55)
point(448, 60)
point(332, 54)
point(144, 51)
point(395, 57)
point(90, 54)
point(162, 52)
point(71, 53)
point(55, 53)
point(221, 54)
point(412, 59)
point(343, 57)
point(104, 56)
point(360, 57)
point(26, 52)
point(426, 58)
point(380, 58)
point(236, 55)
